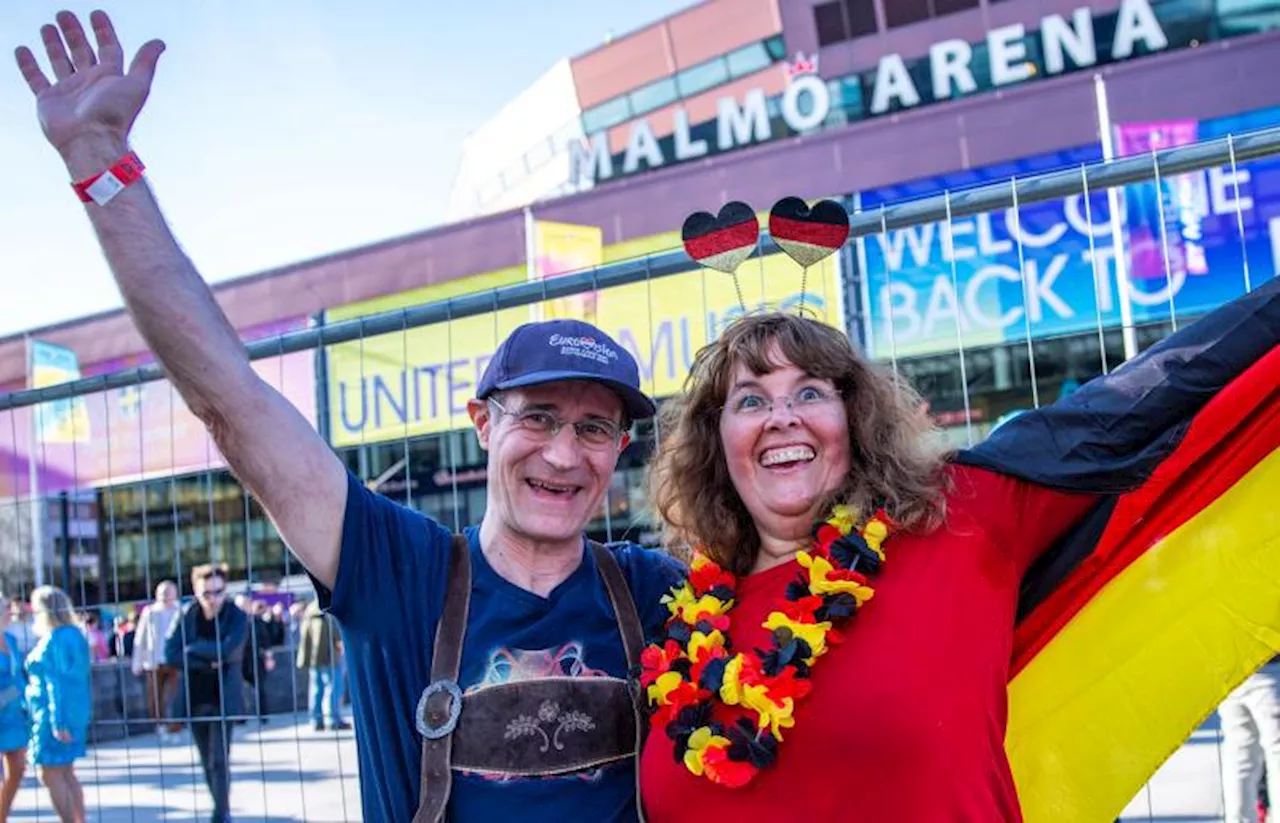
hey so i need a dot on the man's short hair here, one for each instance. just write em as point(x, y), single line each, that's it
point(207, 570)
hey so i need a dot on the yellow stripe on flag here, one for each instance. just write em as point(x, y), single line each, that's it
point(1125, 683)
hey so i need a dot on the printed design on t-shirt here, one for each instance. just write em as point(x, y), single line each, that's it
point(515, 665)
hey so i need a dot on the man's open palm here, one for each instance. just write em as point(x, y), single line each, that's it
point(92, 95)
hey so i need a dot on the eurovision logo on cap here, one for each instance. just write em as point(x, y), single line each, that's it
point(808, 234)
point(583, 346)
point(722, 241)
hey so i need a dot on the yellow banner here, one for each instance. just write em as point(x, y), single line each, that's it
point(560, 248)
point(419, 382)
point(59, 421)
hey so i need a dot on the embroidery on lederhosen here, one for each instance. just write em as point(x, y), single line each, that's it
point(545, 727)
point(549, 713)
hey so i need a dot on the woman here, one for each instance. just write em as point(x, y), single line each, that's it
point(13, 715)
point(771, 699)
point(58, 694)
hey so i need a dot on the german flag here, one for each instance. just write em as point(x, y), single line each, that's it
point(1137, 624)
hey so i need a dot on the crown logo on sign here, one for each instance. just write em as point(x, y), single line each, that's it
point(802, 66)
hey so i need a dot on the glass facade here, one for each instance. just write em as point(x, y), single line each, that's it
point(740, 62)
point(160, 528)
point(969, 395)
point(1186, 24)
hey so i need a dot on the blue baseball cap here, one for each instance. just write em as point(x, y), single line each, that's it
point(554, 350)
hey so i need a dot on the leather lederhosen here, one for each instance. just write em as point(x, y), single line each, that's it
point(538, 727)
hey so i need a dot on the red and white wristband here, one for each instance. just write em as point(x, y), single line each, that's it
point(102, 187)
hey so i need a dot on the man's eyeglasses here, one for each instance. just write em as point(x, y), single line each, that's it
point(807, 398)
point(593, 432)
point(212, 594)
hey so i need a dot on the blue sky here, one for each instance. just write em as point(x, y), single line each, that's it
point(281, 130)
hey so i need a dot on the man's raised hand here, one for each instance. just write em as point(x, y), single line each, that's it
point(92, 95)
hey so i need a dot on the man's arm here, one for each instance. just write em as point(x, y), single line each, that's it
point(268, 444)
point(231, 636)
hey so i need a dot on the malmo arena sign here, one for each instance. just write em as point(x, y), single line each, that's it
point(806, 101)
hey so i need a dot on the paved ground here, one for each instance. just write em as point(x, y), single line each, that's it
point(140, 781)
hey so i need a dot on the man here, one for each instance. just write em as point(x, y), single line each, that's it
point(148, 656)
point(550, 625)
point(320, 655)
point(206, 644)
point(258, 659)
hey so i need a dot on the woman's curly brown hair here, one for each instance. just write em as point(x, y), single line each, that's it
point(894, 460)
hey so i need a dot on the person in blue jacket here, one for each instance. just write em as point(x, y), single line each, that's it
point(59, 700)
point(13, 713)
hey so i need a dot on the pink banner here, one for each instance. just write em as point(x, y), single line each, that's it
point(138, 431)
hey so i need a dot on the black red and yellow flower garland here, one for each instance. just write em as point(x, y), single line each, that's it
point(692, 665)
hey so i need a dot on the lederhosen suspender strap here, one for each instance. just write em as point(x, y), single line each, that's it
point(440, 707)
point(442, 701)
point(624, 607)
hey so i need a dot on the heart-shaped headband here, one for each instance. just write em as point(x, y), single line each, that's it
point(807, 234)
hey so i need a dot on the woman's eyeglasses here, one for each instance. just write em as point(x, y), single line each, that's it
point(804, 399)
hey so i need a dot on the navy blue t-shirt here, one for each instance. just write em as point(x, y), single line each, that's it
point(387, 598)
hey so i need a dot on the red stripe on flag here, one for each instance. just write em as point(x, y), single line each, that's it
point(819, 234)
point(1235, 430)
point(720, 241)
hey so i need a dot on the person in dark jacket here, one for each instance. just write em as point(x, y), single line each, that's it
point(258, 659)
point(207, 645)
point(320, 653)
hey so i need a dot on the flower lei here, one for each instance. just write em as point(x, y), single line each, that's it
point(692, 665)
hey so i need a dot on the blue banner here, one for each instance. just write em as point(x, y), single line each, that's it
point(1191, 243)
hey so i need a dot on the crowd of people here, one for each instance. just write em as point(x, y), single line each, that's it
point(202, 665)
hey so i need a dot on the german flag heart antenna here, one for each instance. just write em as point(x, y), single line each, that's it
point(808, 234)
point(722, 241)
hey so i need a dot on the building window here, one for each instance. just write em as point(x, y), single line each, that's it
point(703, 76)
point(829, 20)
point(905, 12)
point(777, 47)
point(844, 20)
point(1239, 17)
point(653, 96)
point(861, 17)
point(605, 115)
point(942, 7)
point(748, 60)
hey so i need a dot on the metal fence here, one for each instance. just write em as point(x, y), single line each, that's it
point(115, 488)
